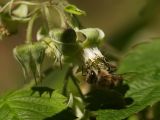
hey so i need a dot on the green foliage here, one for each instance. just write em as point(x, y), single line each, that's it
point(143, 68)
point(22, 105)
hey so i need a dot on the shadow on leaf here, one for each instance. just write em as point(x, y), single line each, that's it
point(66, 114)
point(108, 98)
point(42, 90)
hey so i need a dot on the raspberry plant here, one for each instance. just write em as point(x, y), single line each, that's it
point(54, 34)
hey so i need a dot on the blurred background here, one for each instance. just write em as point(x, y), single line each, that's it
point(125, 23)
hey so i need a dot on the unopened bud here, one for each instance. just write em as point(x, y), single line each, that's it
point(30, 56)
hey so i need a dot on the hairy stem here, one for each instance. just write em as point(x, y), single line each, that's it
point(65, 84)
point(30, 29)
point(74, 80)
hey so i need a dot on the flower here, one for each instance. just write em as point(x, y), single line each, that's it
point(91, 54)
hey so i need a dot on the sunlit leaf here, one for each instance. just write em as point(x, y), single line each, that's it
point(21, 105)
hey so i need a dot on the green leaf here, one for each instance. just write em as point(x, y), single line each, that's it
point(143, 67)
point(74, 10)
point(22, 105)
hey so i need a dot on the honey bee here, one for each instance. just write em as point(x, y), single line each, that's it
point(91, 77)
point(106, 79)
point(103, 77)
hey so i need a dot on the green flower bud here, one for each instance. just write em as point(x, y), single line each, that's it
point(23, 55)
point(52, 49)
point(38, 53)
point(30, 56)
point(56, 34)
point(70, 48)
point(69, 36)
point(94, 37)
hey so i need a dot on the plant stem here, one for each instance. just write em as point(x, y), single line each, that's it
point(74, 79)
point(64, 90)
point(30, 28)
